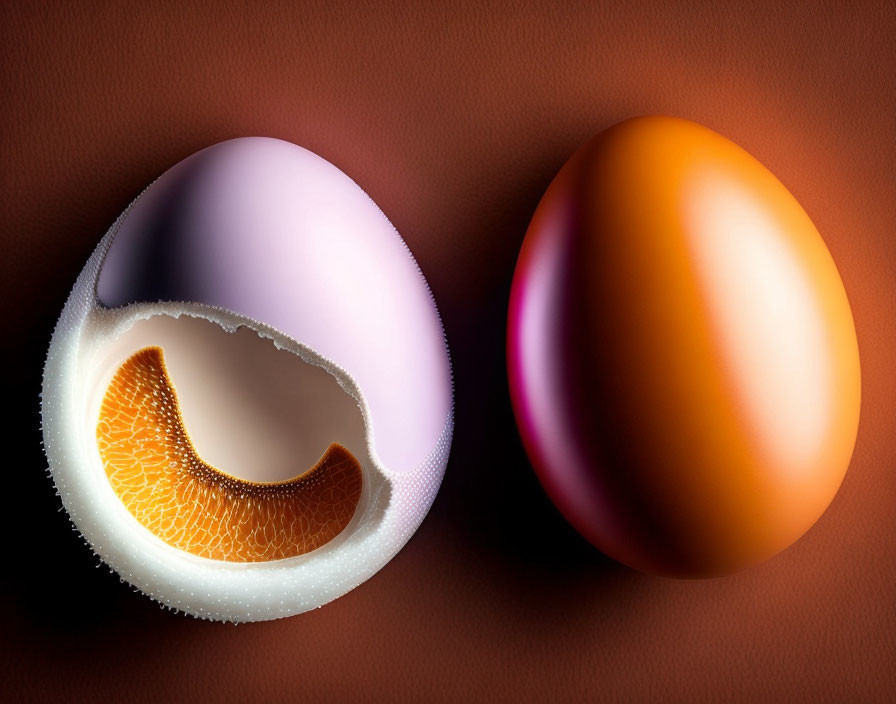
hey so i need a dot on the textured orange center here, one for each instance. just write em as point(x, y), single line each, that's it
point(162, 481)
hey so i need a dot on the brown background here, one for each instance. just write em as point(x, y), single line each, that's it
point(454, 119)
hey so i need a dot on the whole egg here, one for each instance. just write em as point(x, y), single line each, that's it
point(247, 401)
point(682, 357)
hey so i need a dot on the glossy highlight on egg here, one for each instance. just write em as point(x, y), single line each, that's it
point(247, 401)
point(682, 357)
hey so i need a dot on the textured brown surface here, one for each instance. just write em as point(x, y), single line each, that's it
point(454, 119)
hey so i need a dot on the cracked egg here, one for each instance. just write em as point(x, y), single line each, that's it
point(247, 401)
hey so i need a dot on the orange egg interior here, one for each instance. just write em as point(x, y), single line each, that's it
point(159, 476)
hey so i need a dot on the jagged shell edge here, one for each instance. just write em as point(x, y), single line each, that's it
point(209, 588)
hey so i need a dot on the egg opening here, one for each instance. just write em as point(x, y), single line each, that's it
point(283, 481)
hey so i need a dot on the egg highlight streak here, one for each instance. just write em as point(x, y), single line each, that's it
point(682, 357)
point(257, 235)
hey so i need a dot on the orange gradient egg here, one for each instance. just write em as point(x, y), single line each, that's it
point(683, 361)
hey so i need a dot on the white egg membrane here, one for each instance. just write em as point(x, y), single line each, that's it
point(89, 344)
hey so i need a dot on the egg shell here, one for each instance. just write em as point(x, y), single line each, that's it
point(682, 357)
point(271, 231)
point(259, 233)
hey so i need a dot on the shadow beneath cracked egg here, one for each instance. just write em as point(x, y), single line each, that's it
point(58, 582)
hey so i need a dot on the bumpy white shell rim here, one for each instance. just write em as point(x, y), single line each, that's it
point(202, 587)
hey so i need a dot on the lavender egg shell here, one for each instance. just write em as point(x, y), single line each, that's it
point(260, 233)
